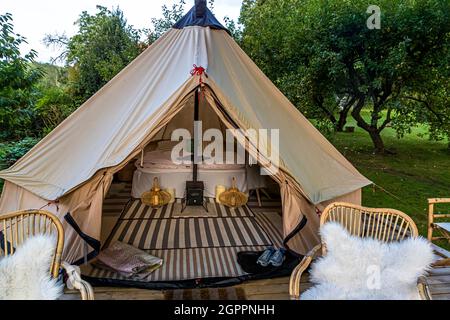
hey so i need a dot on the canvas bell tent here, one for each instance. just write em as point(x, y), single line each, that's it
point(71, 170)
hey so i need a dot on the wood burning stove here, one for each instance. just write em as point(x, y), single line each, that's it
point(194, 193)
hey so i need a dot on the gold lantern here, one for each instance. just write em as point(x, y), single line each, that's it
point(233, 197)
point(155, 197)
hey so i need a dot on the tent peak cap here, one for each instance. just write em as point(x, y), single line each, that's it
point(199, 15)
point(200, 8)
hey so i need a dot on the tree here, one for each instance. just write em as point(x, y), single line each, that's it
point(278, 39)
point(328, 62)
point(18, 79)
point(169, 17)
point(103, 46)
point(429, 98)
point(235, 29)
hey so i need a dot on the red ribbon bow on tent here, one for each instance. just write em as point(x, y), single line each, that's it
point(198, 71)
point(55, 202)
point(318, 212)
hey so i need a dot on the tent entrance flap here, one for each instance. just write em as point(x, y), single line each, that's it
point(88, 241)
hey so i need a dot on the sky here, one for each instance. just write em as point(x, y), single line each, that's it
point(34, 19)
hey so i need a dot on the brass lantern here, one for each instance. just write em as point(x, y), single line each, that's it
point(156, 197)
point(233, 197)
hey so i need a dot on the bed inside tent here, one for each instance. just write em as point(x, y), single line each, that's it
point(210, 244)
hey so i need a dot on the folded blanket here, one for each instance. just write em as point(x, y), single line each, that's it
point(127, 260)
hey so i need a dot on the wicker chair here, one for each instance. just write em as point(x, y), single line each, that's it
point(383, 224)
point(444, 226)
point(19, 225)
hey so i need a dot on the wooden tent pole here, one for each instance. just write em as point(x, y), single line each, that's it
point(196, 118)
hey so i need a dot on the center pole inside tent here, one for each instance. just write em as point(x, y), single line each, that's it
point(196, 118)
point(195, 189)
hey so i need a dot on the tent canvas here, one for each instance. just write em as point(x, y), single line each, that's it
point(71, 169)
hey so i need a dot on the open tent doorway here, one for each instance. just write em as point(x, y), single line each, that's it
point(199, 245)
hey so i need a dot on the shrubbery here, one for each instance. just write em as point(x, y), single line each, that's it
point(10, 152)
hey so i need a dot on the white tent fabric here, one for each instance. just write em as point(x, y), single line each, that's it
point(116, 123)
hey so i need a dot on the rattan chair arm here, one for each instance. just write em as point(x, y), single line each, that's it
point(442, 263)
point(294, 283)
point(75, 282)
point(424, 289)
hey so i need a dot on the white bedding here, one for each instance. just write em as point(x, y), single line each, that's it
point(159, 164)
point(162, 160)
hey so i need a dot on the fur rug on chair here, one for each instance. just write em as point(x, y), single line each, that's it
point(366, 269)
point(25, 275)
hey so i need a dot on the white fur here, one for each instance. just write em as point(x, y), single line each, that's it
point(25, 275)
point(347, 270)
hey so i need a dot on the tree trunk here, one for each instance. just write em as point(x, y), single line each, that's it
point(343, 114)
point(377, 142)
point(342, 121)
point(374, 132)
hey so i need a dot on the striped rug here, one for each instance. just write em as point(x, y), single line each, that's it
point(151, 229)
point(135, 209)
point(195, 263)
point(192, 247)
point(185, 264)
point(118, 196)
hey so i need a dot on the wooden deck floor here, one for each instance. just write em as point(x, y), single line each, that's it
point(267, 289)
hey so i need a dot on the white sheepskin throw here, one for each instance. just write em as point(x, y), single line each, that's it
point(25, 275)
point(366, 269)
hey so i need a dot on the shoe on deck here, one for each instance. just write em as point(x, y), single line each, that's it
point(264, 258)
point(278, 257)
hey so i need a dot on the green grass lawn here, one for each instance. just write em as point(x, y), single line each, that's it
point(419, 170)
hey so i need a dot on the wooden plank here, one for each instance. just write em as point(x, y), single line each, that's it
point(277, 296)
point(133, 296)
point(439, 271)
point(440, 289)
point(441, 297)
point(268, 289)
point(112, 293)
point(263, 282)
point(439, 200)
point(443, 279)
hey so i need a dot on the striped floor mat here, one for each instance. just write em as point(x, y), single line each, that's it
point(159, 231)
point(185, 264)
point(118, 196)
point(135, 209)
point(203, 254)
point(195, 263)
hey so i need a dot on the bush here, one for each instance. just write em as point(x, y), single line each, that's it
point(53, 107)
point(10, 152)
